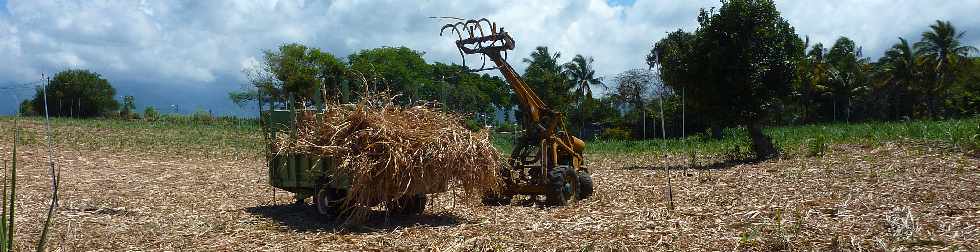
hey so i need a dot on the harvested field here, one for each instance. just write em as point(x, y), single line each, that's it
point(119, 196)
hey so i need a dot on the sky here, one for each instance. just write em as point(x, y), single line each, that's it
point(188, 54)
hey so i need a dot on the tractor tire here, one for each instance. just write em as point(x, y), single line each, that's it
point(410, 205)
point(561, 185)
point(585, 185)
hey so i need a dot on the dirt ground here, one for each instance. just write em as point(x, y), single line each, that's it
point(890, 197)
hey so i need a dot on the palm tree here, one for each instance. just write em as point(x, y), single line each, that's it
point(580, 72)
point(544, 75)
point(942, 53)
point(901, 70)
point(845, 73)
point(813, 74)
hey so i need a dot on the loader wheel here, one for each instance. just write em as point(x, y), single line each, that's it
point(585, 186)
point(408, 205)
point(561, 186)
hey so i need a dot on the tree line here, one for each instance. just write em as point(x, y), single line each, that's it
point(296, 75)
point(746, 66)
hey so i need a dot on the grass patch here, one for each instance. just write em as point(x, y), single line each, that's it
point(220, 136)
point(812, 140)
point(162, 136)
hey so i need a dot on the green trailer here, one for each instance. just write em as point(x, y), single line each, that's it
point(313, 176)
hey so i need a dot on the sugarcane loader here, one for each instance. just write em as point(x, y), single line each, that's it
point(547, 160)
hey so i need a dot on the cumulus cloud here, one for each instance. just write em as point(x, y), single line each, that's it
point(198, 49)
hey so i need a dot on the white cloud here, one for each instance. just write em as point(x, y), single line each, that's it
point(177, 44)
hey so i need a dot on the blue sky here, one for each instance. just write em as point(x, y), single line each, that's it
point(190, 53)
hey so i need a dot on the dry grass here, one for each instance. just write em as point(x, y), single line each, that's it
point(389, 151)
point(896, 196)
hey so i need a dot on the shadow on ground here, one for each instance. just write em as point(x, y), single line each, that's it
point(305, 218)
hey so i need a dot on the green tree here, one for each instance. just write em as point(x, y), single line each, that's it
point(544, 75)
point(463, 91)
point(398, 69)
point(129, 107)
point(846, 74)
point(150, 113)
point(581, 73)
point(812, 75)
point(77, 93)
point(966, 100)
point(242, 97)
point(746, 54)
point(943, 55)
point(26, 108)
point(673, 57)
point(634, 88)
point(294, 71)
point(900, 72)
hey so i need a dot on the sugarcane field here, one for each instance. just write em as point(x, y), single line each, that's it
point(605, 125)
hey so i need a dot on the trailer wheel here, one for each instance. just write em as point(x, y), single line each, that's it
point(327, 200)
point(561, 188)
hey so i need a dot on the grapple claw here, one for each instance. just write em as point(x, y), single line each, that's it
point(479, 41)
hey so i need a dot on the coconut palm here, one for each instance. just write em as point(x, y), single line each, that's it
point(845, 74)
point(901, 71)
point(580, 72)
point(942, 53)
point(813, 77)
point(544, 75)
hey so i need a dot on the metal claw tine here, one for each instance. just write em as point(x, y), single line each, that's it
point(444, 27)
point(480, 27)
point(458, 34)
point(483, 20)
point(462, 56)
point(484, 62)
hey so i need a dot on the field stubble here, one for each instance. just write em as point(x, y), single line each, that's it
point(896, 195)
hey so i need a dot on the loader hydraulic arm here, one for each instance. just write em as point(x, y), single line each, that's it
point(540, 123)
point(529, 101)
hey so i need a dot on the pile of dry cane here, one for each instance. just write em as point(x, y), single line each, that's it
point(390, 151)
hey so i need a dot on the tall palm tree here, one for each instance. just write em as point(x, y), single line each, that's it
point(544, 75)
point(901, 70)
point(580, 72)
point(942, 54)
point(845, 73)
point(813, 75)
